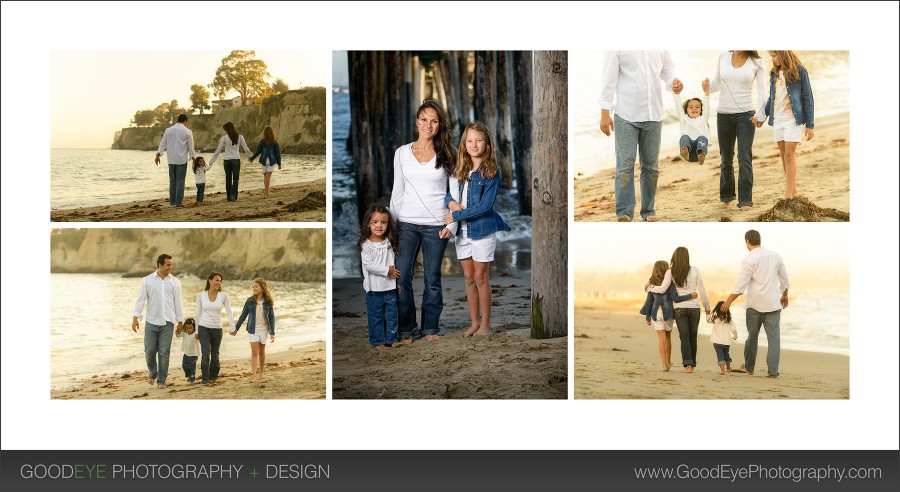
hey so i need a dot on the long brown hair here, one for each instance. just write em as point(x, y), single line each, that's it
point(658, 273)
point(269, 135)
point(790, 64)
point(464, 164)
point(212, 276)
point(681, 265)
point(392, 233)
point(267, 294)
point(232, 133)
point(445, 153)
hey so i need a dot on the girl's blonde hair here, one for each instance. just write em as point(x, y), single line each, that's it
point(789, 65)
point(267, 294)
point(659, 272)
point(464, 164)
point(269, 135)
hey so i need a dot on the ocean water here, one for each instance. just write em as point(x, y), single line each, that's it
point(513, 248)
point(816, 320)
point(91, 177)
point(90, 323)
point(829, 73)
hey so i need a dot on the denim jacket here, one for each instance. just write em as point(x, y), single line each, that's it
point(250, 310)
point(800, 96)
point(667, 300)
point(271, 154)
point(479, 212)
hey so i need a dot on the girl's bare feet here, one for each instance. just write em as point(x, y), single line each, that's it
point(380, 347)
point(253, 379)
point(746, 208)
point(685, 153)
point(721, 370)
point(727, 367)
point(406, 341)
point(700, 158)
point(727, 204)
point(432, 337)
point(688, 369)
point(483, 331)
point(470, 331)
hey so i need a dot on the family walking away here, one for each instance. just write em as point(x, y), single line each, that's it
point(178, 144)
point(631, 106)
point(672, 293)
point(438, 192)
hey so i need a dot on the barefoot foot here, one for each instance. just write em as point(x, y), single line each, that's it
point(483, 331)
point(685, 153)
point(396, 344)
point(688, 369)
point(700, 158)
point(379, 347)
point(746, 208)
point(652, 218)
point(470, 331)
point(431, 338)
point(727, 204)
point(406, 341)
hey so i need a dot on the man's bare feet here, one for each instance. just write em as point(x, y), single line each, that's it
point(652, 218)
point(727, 204)
point(623, 218)
point(744, 369)
point(700, 158)
point(406, 341)
point(151, 380)
point(746, 208)
point(470, 331)
point(688, 369)
point(379, 347)
point(685, 153)
point(432, 337)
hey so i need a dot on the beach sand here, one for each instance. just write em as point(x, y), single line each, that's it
point(617, 357)
point(688, 192)
point(299, 202)
point(507, 364)
point(296, 374)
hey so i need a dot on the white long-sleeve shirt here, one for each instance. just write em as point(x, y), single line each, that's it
point(633, 81)
point(723, 333)
point(764, 278)
point(419, 190)
point(162, 297)
point(693, 127)
point(232, 151)
point(200, 174)
point(209, 313)
point(736, 85)
point(178, 144)
point(190, 343)
point(376, 258)
point(693, 282)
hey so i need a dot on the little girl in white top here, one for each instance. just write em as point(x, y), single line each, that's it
point(190, 344)
point(378, 241)
point(694, 141)
point(723, 332)
point(200, 168)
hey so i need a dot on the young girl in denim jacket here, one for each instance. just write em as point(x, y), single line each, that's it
point(790, 111)
point(659, 311)
point(470, 198)
point(378, 241)
point(259, 308)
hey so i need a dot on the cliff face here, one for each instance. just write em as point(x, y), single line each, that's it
point(274, 254)
point(298, 118)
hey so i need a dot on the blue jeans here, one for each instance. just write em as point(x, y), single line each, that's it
point(772, 323)
point(381, 309)
point(210, 340)
point(176, 184)
point(688, 322)
point(643, 136)
point(232, 176)
point(189, 364)
point(201, 188)
point(700, 145)
point(413, 238)
point(722, 355)
point(157, 344)
point(739, 127)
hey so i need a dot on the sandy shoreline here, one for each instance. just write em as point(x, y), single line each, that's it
point(617, 357)
point(688, 192)
point(298, 202)
point(295, 374)
point(508, 364)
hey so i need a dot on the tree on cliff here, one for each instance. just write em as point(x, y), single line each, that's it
point(279, 87)
point(243, 73)
point(167, 113)
point(199, 98)
point(144, 117)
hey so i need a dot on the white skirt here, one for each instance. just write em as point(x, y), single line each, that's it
point(480, 250)
point(261, 335)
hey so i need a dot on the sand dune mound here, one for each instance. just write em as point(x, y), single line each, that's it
point(801, 209)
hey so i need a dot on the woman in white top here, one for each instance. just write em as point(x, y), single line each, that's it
point(736, 73)
point(231, 143)
point(209, 319)
point(687, 313)
point(421, 170)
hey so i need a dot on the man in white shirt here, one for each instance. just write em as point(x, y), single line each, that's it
point(178, 144)
point(161, 292)
point(631, 86)
point(765, 279)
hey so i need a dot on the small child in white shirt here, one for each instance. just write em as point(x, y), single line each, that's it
point(190, 344)
point(694, 141)
point(200, 169)
point(723, 332)
point(378, 241)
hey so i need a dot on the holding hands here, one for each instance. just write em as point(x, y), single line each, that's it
point(677, 86)
point(445, 233)
point(393, 272)
point(705, 86)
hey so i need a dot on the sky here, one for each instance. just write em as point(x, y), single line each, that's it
point(95, 94)
point(803, 246)
point(339, 72)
